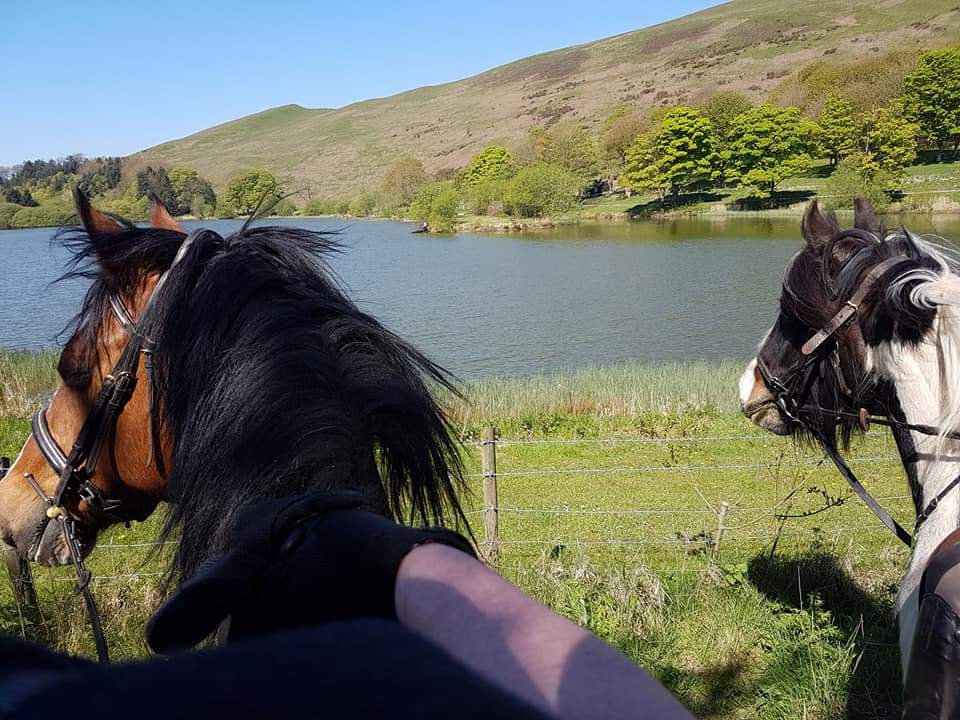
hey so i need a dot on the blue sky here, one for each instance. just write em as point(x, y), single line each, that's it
point(109, 77)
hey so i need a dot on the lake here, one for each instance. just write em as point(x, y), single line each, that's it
point(512, 304)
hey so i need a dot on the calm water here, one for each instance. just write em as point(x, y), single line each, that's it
point(513, 304)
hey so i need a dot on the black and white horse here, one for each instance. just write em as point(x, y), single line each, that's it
point(897, 356)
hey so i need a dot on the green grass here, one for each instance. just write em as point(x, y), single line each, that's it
point(609, 496)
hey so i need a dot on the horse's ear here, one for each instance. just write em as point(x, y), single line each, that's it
point(865, 217)
point(94, 221)
point(161, 218)
point(818, 228)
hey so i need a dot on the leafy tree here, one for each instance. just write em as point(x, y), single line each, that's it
point(619, 131)
point(253, 189)
point(888, 142)
point(492, 163)
point(156, 181)
point(932, 97)
point(48, 215)
point(857, 176)
point(680, 154)
point(436, 204)
point(569, 146)
point(838, 128)
point(193, 193)
point(768, 144)
point(484, 196)
point(363, 205)
point(721, 109)
point(404, 177)
point(97, 180)
point(130, 205)
point(18, 196)
point(541, 189)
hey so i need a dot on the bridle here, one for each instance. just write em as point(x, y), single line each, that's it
point(790, 393)
point(76, 468)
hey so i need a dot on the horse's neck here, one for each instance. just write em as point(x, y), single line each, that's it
point(923, 383)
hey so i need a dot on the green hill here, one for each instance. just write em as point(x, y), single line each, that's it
point(794, 52)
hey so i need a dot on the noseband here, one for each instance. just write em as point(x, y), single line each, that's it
point(791, 390)
point(76, 468)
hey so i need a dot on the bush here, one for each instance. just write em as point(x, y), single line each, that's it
point(541, 189)
point(328, 206)
point(129, 206)
point(7, 211)
point(853, 178)
point(436, 204)
point(50, 215)
point(253, 189)
point(284, 208)
point(481, 197)
point(363, 205)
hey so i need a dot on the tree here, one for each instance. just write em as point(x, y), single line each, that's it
point(569, 146)
point(252, 189)
point(680, 154)
point(18, 196)
point(838, 128)
point(404, 177)
point(888, 142)
point(193, 193)
point(541, 189)
point(932, 98)
point(768, 144)
point(618, 132)
point(856, 176)
point(721, 109)
point(494, 162)
point(437, 205)
point(156, 181)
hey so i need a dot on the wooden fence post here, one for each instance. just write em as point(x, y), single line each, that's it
point(24, 593)
point(488, 454)
point(718, 535)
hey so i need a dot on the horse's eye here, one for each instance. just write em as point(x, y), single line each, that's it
point(73, 368)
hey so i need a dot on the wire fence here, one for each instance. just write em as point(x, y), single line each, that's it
point(528, 511)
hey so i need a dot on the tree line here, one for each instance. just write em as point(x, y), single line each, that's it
point(669, 153)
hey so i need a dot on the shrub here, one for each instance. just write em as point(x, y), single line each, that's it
point(7, 211)
point(437, 204)
point(284, 208)
point(855, 176)
point(363, 205)
point(541, 189)
point(129, 206)
point(483, 196)
point(50, 215)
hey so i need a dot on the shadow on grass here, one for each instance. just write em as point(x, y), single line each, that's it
point(646, 209)
point(818, 578)
point(780, 199)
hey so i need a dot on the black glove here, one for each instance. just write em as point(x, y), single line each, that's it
point(295, 561)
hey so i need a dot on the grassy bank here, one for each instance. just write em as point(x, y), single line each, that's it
point(611, 483)
point(927, 188)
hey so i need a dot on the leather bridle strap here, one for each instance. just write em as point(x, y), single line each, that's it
point(850, 307)
point(76, 469)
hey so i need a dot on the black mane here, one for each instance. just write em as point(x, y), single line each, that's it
point(270, 380)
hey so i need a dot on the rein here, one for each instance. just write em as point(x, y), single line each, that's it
point(790, 392)
point(76, 469)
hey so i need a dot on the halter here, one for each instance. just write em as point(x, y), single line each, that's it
point(76, 468)
point(791, 390)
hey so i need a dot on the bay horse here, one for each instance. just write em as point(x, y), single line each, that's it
point(868, 328)
point(209, 371)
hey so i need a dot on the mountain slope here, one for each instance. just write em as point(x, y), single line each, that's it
point(755, 46)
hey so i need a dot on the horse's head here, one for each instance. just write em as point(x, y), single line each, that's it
point(125, 472)
point(264, 380)
point(823, 358)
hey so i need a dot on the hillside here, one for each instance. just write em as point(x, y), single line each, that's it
point(758, 47)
